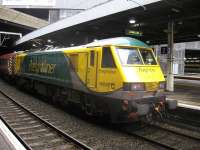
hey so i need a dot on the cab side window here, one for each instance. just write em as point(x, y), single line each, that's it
point(92, 58)
point(74, 61)
point(107, 58)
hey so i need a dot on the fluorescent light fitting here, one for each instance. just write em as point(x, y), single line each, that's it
point(175, 10)
point(132, 20)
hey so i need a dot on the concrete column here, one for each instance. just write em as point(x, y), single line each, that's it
point(170, 75)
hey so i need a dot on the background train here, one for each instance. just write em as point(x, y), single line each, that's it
point(192, 61)
point(118, 77)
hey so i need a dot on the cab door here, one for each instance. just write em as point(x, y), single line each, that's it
point(92, 70)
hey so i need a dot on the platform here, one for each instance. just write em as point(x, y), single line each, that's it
point(186, 92)
point(7, 140)
point(189, 76)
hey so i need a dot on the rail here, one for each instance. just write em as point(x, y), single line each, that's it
point(61, 134)
point(164, 137)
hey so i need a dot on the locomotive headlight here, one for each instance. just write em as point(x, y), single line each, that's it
point(162, 85)
point(134, 87)
point(137, 87)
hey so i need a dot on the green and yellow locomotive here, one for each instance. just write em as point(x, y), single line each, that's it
point(118, 77)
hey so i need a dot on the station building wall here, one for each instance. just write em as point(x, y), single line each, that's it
point(180, 59)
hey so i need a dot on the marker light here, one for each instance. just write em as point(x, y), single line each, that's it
point(134, 87)
point(137, 87)
point(162, 85)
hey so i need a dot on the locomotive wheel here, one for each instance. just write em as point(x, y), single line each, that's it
point(55, 96)
point(89, 106)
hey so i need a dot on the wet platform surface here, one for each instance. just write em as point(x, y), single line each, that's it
point(186, 91)
point(7, 140)
point(4, 144)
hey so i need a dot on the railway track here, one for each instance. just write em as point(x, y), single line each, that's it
point(184, 123)
point(28, 138)
point(33, 131)
point(185, 118)
point(164, 138)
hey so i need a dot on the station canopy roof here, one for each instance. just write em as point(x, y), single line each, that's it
point(13, 22)
point(112, 20)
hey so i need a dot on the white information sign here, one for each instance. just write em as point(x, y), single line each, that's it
point(29, 2)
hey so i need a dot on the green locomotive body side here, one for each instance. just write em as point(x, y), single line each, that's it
point(49, 67)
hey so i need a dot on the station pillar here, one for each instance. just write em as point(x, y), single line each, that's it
point(170, 75)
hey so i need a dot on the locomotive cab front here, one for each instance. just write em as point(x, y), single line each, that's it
point(140, 70)
point(143, 81)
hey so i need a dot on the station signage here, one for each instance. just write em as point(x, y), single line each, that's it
point(133, 32)
point(29, 2)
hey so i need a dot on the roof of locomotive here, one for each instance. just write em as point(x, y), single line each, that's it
point(52, 50)
point(119, 41)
